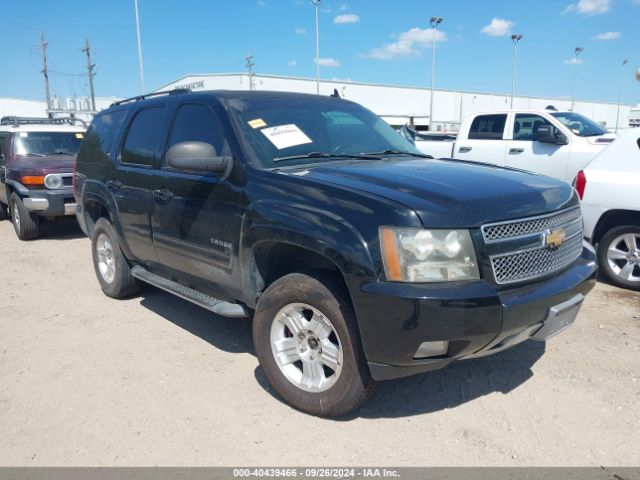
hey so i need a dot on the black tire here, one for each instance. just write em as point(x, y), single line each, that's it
point(605, 243)
point(122, 284)
point(4, 212)
point(25, 223)
point(354, 383)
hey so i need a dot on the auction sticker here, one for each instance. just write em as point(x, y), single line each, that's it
point(257, 123)
point(285, 136)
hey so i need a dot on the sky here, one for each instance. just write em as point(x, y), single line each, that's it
point(376, 41)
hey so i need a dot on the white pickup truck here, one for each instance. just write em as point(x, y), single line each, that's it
point(558, 144)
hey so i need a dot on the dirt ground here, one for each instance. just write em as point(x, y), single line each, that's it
point(86, 380)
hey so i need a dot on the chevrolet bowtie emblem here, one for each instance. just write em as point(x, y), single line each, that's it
point(554, 238)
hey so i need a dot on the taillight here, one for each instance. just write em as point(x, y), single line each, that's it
point(580, 183)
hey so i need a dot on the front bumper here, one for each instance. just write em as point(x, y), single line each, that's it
point(50, 203)
point(476, 318)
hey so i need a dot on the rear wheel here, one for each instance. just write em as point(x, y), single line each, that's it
point(306, 340)
point(619, 256)
point(25, 223)
point(112, 268)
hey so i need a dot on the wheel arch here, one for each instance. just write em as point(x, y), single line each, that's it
point(614, 218)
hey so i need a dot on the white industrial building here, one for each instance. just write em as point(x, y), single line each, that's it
point(78, 106)
point(400, 105)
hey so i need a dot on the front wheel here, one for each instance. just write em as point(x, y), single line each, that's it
point(306, 340)
point(619, 256)
point(25, 223)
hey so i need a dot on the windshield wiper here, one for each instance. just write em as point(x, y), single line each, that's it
point(390, 151)
point(362, 156)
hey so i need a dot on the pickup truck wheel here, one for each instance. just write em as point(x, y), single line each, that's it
point(306, 340)
point(25, 223)
point(619, 256)
point(112, 269)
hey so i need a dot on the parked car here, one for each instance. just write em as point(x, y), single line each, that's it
point(610, 190)
point(558, 144)
point(359, 258)
point(37, 156)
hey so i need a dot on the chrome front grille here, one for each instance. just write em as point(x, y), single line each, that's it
point(522, 250)
point(501, 231)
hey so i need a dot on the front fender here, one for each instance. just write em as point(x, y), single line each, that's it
point(319, 231)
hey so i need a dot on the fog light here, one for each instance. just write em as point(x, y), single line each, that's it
point(432, 349)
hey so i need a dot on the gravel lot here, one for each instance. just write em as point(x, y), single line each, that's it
point(153, 380)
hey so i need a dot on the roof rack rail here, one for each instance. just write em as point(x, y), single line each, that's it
point(176, 91)
point(17, 121)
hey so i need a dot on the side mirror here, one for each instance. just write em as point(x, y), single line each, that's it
point(198, 157)
point(550, 134)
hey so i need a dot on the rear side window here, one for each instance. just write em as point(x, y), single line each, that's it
point(197, 123)
point(98, 140)
point(488, 127)
point(142, 144)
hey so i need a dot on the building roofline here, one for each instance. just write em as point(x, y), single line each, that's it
point(371, 84)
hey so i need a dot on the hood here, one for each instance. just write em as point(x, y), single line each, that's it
point(33, 165)
point(451, 194)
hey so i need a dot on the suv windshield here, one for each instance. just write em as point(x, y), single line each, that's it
point(298, 131)
point(579, 124)
point(47, 143)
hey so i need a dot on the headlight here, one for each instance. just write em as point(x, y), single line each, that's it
point(415, 255)
point(53, 181)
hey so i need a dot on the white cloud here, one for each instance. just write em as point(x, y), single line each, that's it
point(607, 36)
point(292, 63)
point(589, 7)
point(498, 27)
point(573, 61)
point(408, 44)
point(300, 31)
point(346, 18)
point(327, 62)
point(344, 7)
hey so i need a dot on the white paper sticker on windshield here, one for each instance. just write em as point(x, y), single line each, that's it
point(285, 136)
point(24, 134)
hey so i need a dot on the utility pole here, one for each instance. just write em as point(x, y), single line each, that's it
point(135, 4)
point(577, 51)
point(434, 21)
point(90, 73)
point(45, 71)
point(250, 64)
point(515, 38)
point(316, 4)
point(624, 62)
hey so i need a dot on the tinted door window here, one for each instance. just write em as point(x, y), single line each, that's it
point(526, 126)
point(487, 127)
point(142, 144)
point(197, 123)
point(3, 141)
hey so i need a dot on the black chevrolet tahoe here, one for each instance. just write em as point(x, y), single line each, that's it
point(358, 258)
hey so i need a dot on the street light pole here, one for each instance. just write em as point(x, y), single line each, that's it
point(624, 62)
point(316, 4)
point(434, 21)
point(515, 39)
point(139, 48)
point(577, 51)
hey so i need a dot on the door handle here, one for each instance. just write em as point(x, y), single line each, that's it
point(114, 185)
point(464, 149)
point(163, 195)
point(516, 150)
